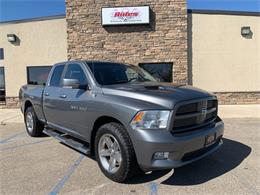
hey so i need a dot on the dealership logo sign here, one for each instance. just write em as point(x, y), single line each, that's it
point(125, 15)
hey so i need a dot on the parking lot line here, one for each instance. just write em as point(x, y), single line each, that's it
point(11, 137)
point(153, 188)
point(66, 177)
point(19, 146)
point(3, 122)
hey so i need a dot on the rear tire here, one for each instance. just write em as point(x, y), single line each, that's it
point(33, 126)
point(122, 146)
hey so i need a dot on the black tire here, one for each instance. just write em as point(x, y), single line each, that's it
point(37, 127)
point(129, 166)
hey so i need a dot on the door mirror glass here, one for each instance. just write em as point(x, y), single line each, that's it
point(71, 83)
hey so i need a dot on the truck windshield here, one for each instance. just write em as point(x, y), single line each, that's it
point(107, 73)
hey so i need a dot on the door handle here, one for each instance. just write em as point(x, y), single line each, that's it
point(63, 96)
point(46, 94)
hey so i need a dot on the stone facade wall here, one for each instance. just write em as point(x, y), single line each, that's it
point(238, 97)
point(165, 40)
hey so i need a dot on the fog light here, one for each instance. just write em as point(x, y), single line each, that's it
point(160, 155)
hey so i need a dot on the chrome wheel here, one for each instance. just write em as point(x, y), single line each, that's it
point(109, 153)
point(29, 121)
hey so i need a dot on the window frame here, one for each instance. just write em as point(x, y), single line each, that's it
point(27, 72)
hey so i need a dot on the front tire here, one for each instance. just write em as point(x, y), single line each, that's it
point(33, 126)
point(115, 153)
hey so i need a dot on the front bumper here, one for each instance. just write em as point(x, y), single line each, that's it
point(183, 149)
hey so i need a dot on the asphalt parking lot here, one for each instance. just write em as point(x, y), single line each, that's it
point(45, 166)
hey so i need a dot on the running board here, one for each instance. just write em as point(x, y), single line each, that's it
point(68, 140)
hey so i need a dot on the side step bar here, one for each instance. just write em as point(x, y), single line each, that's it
point(68, 140)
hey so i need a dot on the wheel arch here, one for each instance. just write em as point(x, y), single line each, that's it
point(27, 104)
point(97, 124)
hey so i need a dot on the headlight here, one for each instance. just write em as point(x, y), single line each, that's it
point(151, 119)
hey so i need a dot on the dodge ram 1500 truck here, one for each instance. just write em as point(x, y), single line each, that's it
point(122, 116)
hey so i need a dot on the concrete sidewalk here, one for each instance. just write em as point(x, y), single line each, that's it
point(225, 111)
point(10, 116)
point(239, 111)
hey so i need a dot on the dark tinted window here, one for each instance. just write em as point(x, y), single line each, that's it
point(2, 78)
point(56, 76)
point(162, 71)
point(74, 71)
point(37, 75)
point(2, 84)
point(107, 73)
point(1, 53)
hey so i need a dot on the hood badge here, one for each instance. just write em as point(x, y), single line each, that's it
point(203, 113)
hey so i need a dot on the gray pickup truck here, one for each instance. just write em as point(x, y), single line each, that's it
point(122, 116)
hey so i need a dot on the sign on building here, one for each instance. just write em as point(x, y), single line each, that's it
point(125, 15)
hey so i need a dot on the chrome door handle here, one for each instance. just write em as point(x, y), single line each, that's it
point(46, 94)
point(63, 96)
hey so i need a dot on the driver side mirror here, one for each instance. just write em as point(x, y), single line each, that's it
point(74, 84)
point(71, 83)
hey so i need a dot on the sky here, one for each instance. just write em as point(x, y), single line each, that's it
point(24, 9)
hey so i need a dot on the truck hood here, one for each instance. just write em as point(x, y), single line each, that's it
point(163, 94)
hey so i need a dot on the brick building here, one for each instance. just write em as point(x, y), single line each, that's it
point(163, 40)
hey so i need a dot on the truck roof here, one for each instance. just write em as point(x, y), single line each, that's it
point(91, 61)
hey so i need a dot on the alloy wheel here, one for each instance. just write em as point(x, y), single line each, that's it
point(109, 153)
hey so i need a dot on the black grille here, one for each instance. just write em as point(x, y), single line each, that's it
point(194, 115)
point(212, 104)
point(186, 109)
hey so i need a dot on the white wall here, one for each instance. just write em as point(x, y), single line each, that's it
point(41, 43)
point(223, 60)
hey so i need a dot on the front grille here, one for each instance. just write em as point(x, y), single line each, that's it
point(194, 115)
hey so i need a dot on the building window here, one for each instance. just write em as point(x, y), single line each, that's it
point(37, 75)
point(161, 71)
point(2, 84)
point(1, 53)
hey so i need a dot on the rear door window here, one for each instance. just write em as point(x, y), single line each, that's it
point(56, 76)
